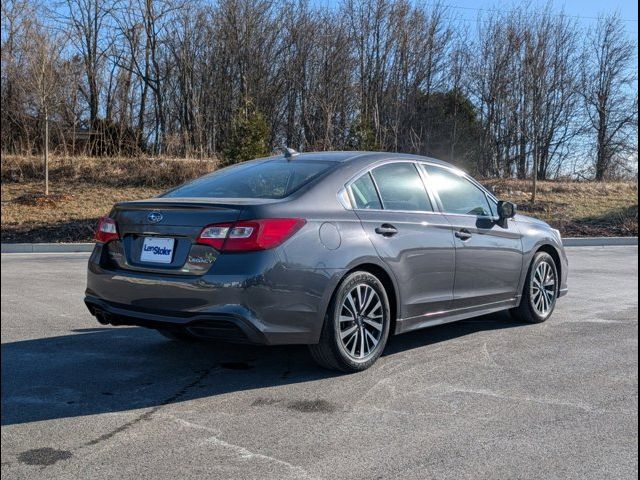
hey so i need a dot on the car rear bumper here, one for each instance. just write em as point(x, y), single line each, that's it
point(256, 299)
point(230, 327)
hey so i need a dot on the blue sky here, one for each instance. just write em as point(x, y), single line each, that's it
point(585, 11)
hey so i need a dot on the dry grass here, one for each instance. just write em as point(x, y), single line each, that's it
point(83, 189)
point(113, 172)
point(70, 218)
point(577, 208)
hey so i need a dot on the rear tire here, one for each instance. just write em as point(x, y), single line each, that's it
point(356, 325)
point(177, 336)
point(540, 291)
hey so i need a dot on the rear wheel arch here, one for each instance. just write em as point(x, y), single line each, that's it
point(331, 350)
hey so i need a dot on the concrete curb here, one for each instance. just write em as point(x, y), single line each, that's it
point(599, 241)
point(46, 247)
point(88, 247)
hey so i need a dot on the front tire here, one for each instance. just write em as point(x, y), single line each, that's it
point(540, 291)
point(356, 326)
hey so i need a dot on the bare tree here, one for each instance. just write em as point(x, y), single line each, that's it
point(88, 21)
point(611, 103)
point(43, 67)
point(525, 77)
point(551, 85)
point(491, 82)
point(16, 17)
point(178, 77)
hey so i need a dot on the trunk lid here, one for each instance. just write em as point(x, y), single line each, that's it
point(180, 219)
point(173, 215)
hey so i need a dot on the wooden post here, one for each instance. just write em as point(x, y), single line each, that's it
point(535, 188)
point(535, 176)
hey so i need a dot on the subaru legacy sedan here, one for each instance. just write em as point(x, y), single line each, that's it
point(334, 250)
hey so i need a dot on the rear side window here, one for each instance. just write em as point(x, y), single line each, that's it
point(271, 179)
point(457, 194)
point(364, 193)
point(401, 187)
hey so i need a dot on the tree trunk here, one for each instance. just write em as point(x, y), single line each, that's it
point(601, 150)
point(46, 152)
point(535, 176)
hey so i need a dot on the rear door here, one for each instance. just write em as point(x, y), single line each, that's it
point(488, 253)
point(415, 242)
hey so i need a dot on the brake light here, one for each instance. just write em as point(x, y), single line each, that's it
point(250, 235)
point(107, 230)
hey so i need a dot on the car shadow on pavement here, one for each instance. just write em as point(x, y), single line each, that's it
point(100, 370)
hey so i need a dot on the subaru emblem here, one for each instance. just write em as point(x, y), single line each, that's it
point(155, 217)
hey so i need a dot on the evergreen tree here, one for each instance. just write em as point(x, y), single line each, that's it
point(362, 136)
point(249, 137)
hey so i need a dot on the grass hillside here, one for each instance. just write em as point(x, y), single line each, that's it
point(83, 189)
point(577, 209)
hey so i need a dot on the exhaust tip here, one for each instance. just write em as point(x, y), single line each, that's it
point(102, 318)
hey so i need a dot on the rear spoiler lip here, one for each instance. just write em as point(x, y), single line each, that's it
point(231, 203)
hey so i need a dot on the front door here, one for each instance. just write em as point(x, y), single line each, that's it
point(416, 243)
point(488, 252)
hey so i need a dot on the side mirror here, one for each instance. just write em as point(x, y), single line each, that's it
point(506, 210)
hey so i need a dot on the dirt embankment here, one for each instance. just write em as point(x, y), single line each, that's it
point(83, 189)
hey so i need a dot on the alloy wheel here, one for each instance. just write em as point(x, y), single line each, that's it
point(543, 289)
point(361, 321)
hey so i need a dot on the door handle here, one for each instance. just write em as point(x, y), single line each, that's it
point(463, 234)
point(386, 230)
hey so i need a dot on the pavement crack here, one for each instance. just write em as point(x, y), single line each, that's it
point(520, 398)
point(149, 413)
point(245, 453)
point(489, 357)
point(122, 428)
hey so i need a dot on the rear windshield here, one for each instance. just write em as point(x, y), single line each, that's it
point(271, 179)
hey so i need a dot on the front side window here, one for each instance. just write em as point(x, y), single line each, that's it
point(401, 187)
point(457, 194)
point(271, 179)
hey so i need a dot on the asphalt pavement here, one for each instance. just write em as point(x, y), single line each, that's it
point(483, 398)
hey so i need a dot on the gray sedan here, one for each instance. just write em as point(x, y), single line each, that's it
point(335, 250)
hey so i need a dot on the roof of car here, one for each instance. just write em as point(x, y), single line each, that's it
point(348, 156)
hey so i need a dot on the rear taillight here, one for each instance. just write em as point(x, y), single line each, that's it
point(249, 235)
point(107, 230)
